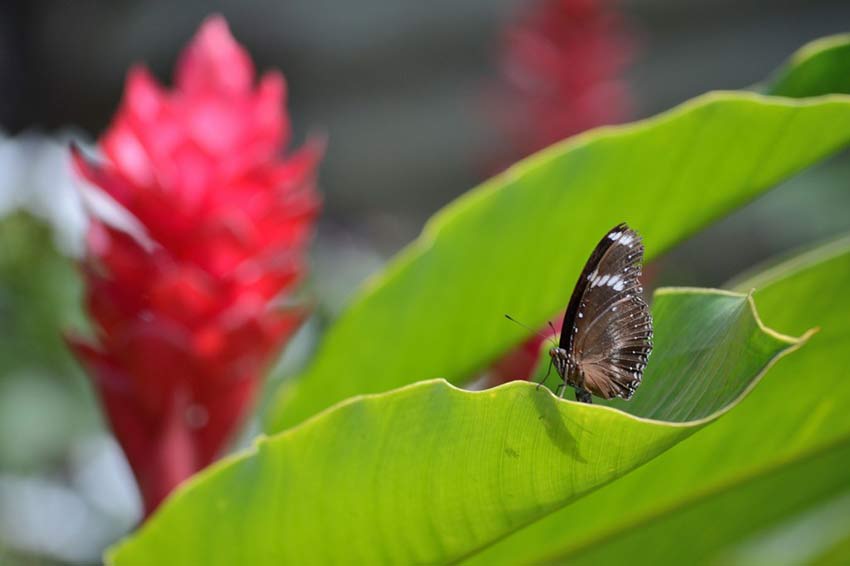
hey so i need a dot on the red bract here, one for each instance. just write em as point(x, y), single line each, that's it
point(188, 319)
point(561, 75)
point(521, 361)
point(562, 66)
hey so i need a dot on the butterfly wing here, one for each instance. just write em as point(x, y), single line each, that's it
point(609, 337)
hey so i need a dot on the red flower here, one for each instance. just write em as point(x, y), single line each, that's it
point(561, 68)
point(561, 75)
point(520, 362)
point(187, 321)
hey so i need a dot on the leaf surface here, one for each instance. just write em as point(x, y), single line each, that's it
point(785, 448)
point(430, 473)
point(517, 243)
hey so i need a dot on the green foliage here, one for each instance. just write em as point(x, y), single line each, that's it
point(430, 473)
point(34, 275)
point(517, 243)
point(783, 449)
point(821, 67)
point(39, 300)
point(707, 466)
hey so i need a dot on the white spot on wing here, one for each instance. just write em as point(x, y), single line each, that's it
point(614, 235)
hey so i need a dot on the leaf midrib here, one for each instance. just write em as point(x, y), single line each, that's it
point(720, 487)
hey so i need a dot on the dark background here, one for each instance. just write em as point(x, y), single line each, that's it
point(396, 85)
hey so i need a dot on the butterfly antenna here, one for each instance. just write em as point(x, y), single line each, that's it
point(512, 319)
point(554, 332)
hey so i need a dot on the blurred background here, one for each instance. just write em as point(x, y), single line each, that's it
point(420, 101)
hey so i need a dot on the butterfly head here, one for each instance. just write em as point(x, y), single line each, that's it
point(561, 359)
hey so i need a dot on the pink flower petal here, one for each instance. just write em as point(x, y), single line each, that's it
point(214, 61)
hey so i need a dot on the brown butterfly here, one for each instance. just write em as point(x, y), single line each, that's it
point(606, 336)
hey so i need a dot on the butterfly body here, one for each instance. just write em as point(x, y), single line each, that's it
point(606, 336)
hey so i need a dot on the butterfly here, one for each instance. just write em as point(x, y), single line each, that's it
point(606, 336)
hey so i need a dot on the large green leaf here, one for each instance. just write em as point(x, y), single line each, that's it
point(821, 67)
point(517, 243)
point(785, 447)
point(430, 473)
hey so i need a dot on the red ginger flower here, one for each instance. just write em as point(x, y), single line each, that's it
point(562, 66)
point(186, 323)
point(561, 71)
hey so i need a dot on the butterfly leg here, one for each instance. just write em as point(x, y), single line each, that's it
point(584, 396)
point(562, 387)
point(545, 377)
